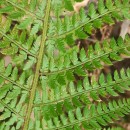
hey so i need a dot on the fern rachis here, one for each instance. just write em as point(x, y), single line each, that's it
point(39, 89)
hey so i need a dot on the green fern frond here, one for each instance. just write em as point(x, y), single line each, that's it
point(91, 117)
point(105, 13)
point(86, 90)
point(46, 85)
point(93, 59)
point(10, 74)
point(63, 100)
point(26, 7)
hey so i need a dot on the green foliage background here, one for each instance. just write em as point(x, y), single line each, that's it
point(46, 86)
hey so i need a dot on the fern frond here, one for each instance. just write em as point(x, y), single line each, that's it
point(29, 7)
point(10, 74)
point(92, 117)
point(94, 58)
point(46, 84)
point(61, 100)
point(12, 106)
point(84, 91)
point(103, 13)
point(14, 89)
point(15, 42)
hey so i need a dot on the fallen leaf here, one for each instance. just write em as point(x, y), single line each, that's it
point(125, 28)
point(77, 6)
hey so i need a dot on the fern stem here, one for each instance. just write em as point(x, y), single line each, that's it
point(17, 43)
point(9, 108)
point(25, 10)
point(38, 66)
point(82, 63)
point(90, 118)
point(83, 92)
point(13, 82)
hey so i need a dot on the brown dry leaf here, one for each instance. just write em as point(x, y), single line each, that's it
point(77, 6)
point(7, 60)
point(125, 28)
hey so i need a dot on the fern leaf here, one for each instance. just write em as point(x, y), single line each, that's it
point(95, 57)
point(92, 120)
point(46, 85)
point(74, 99)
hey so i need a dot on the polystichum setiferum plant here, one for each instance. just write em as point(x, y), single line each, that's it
point(46, 85)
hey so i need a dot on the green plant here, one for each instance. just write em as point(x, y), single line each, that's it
point(46, 85)
point(114, 128)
